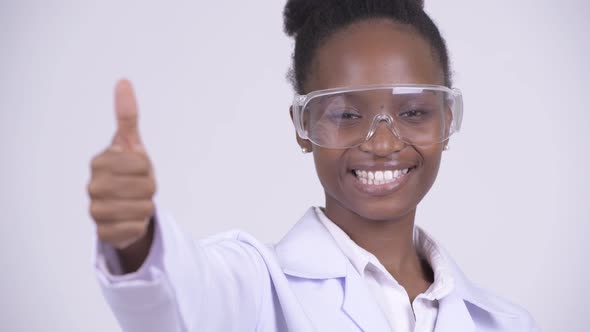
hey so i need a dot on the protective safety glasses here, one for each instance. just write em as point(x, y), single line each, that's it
point(342, 118)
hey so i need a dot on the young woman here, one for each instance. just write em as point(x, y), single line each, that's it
point(375, 106)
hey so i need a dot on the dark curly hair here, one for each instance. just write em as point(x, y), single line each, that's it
point(311, 22)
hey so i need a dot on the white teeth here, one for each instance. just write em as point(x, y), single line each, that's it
point(388, 175)
point(380, 177)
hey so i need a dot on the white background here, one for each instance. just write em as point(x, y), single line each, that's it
point(511, 201)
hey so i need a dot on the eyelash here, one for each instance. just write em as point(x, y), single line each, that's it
point(413, 113)
point(345, 114)
point(349, 116)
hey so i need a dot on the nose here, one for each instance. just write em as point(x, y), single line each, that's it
point(382, 140)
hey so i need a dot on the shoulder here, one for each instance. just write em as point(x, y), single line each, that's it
point(486, 307)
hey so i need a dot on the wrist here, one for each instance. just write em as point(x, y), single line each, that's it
point(133, 256)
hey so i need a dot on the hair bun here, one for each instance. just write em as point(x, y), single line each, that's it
point(297, 13)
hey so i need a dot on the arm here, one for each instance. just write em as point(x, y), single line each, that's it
point(141, 300)
point(215, 284)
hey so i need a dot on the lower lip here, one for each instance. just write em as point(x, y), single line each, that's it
point(381, 189)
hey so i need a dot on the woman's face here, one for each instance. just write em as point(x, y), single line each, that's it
point(375, 52)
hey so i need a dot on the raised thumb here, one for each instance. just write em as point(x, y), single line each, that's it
point(127, 135)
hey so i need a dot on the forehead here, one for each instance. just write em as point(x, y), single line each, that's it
point(374, 52)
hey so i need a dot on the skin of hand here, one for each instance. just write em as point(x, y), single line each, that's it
point(122, 186)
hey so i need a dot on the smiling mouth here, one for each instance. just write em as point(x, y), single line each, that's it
point(377, 178)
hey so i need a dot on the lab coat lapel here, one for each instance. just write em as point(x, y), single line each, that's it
point(309, 251)
point(453, 315)
point(454, 309)
point(360, 306)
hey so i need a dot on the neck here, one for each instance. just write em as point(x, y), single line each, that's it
point(391, 241)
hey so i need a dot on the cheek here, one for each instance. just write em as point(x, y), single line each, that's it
point(431, 158)
point(328, 167)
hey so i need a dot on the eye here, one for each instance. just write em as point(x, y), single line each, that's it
point(344, 114)
point(413, 114)
point(350, 116)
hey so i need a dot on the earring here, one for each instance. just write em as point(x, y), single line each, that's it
point(304, 150)
point(446, 148)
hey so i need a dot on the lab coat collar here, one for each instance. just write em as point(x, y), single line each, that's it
point(309, 251)
point(453, 311)
point(473, 294)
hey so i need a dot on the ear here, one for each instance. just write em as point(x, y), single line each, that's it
point(303, 143)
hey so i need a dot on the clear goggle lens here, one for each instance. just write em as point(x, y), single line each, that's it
point(343, 118)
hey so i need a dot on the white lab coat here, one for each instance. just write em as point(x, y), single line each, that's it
point(232, 282)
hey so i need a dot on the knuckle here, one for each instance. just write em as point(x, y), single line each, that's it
point(137, 230)
point(93, 189)
point(149, 209)
point(92, 210)
point(104, 186)
point(89, 188)
point(143, 162)
point(104, 233)
point(140, 229)
point(144, 157)
point(96, 210)
point(120, 234)
point(151, 189)
point(132, 164)
point(94, 163)
point(143, 167)
point(97, 162)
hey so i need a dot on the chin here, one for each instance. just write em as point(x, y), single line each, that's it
point(383, 210)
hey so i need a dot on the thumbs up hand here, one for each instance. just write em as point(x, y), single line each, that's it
point(122, 185)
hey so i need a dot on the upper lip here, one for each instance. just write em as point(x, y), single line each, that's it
point(389, 166)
